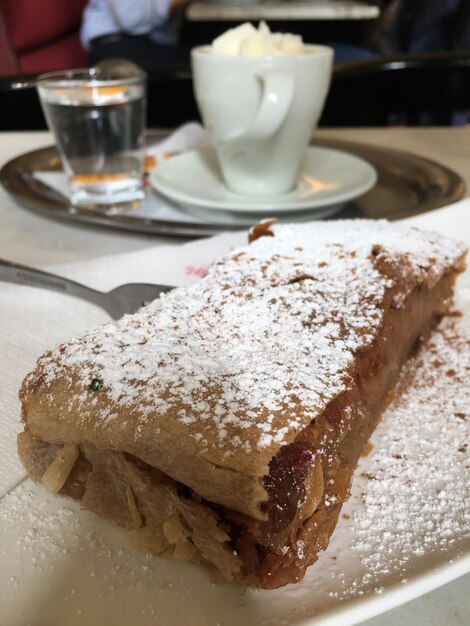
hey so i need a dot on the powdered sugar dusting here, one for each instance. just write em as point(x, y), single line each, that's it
point(417, 500)
point(57, 557)
point(414, 488)
point(260, 346)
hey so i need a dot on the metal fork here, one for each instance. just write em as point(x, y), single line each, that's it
point(124, 299)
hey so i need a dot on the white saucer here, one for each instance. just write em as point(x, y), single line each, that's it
point(327, 179)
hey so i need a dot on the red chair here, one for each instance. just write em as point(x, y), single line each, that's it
point(40, 35)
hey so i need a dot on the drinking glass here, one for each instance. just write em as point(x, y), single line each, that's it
point(97, 116)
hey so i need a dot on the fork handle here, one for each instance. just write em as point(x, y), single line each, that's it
point(22, 275)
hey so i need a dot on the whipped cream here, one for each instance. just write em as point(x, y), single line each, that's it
point(246, 40)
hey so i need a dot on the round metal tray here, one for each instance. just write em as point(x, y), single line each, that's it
point(407, 185)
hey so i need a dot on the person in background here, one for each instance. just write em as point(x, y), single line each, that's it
point(417, 26)
point(143, 31)
point(412, 26)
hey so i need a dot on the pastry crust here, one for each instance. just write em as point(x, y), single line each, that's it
point(244, 400)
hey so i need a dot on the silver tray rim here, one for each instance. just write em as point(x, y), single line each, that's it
point(446, 187)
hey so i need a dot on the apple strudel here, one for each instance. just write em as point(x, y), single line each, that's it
point(221, 424)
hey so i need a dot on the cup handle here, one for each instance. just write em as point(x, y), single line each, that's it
point(275, 104)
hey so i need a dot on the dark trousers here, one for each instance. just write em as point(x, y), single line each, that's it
point(139, 49)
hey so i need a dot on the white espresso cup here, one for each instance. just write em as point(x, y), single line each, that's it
point(260, 113)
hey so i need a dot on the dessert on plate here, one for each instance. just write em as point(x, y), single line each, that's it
point(221, 423)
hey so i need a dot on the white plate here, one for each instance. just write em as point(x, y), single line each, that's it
point(64, 565)
point(327, 179)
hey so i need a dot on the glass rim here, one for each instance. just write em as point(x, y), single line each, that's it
point(85, 77)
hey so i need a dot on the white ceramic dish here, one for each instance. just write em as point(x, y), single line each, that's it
point(327, 180)
point(64, 565)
